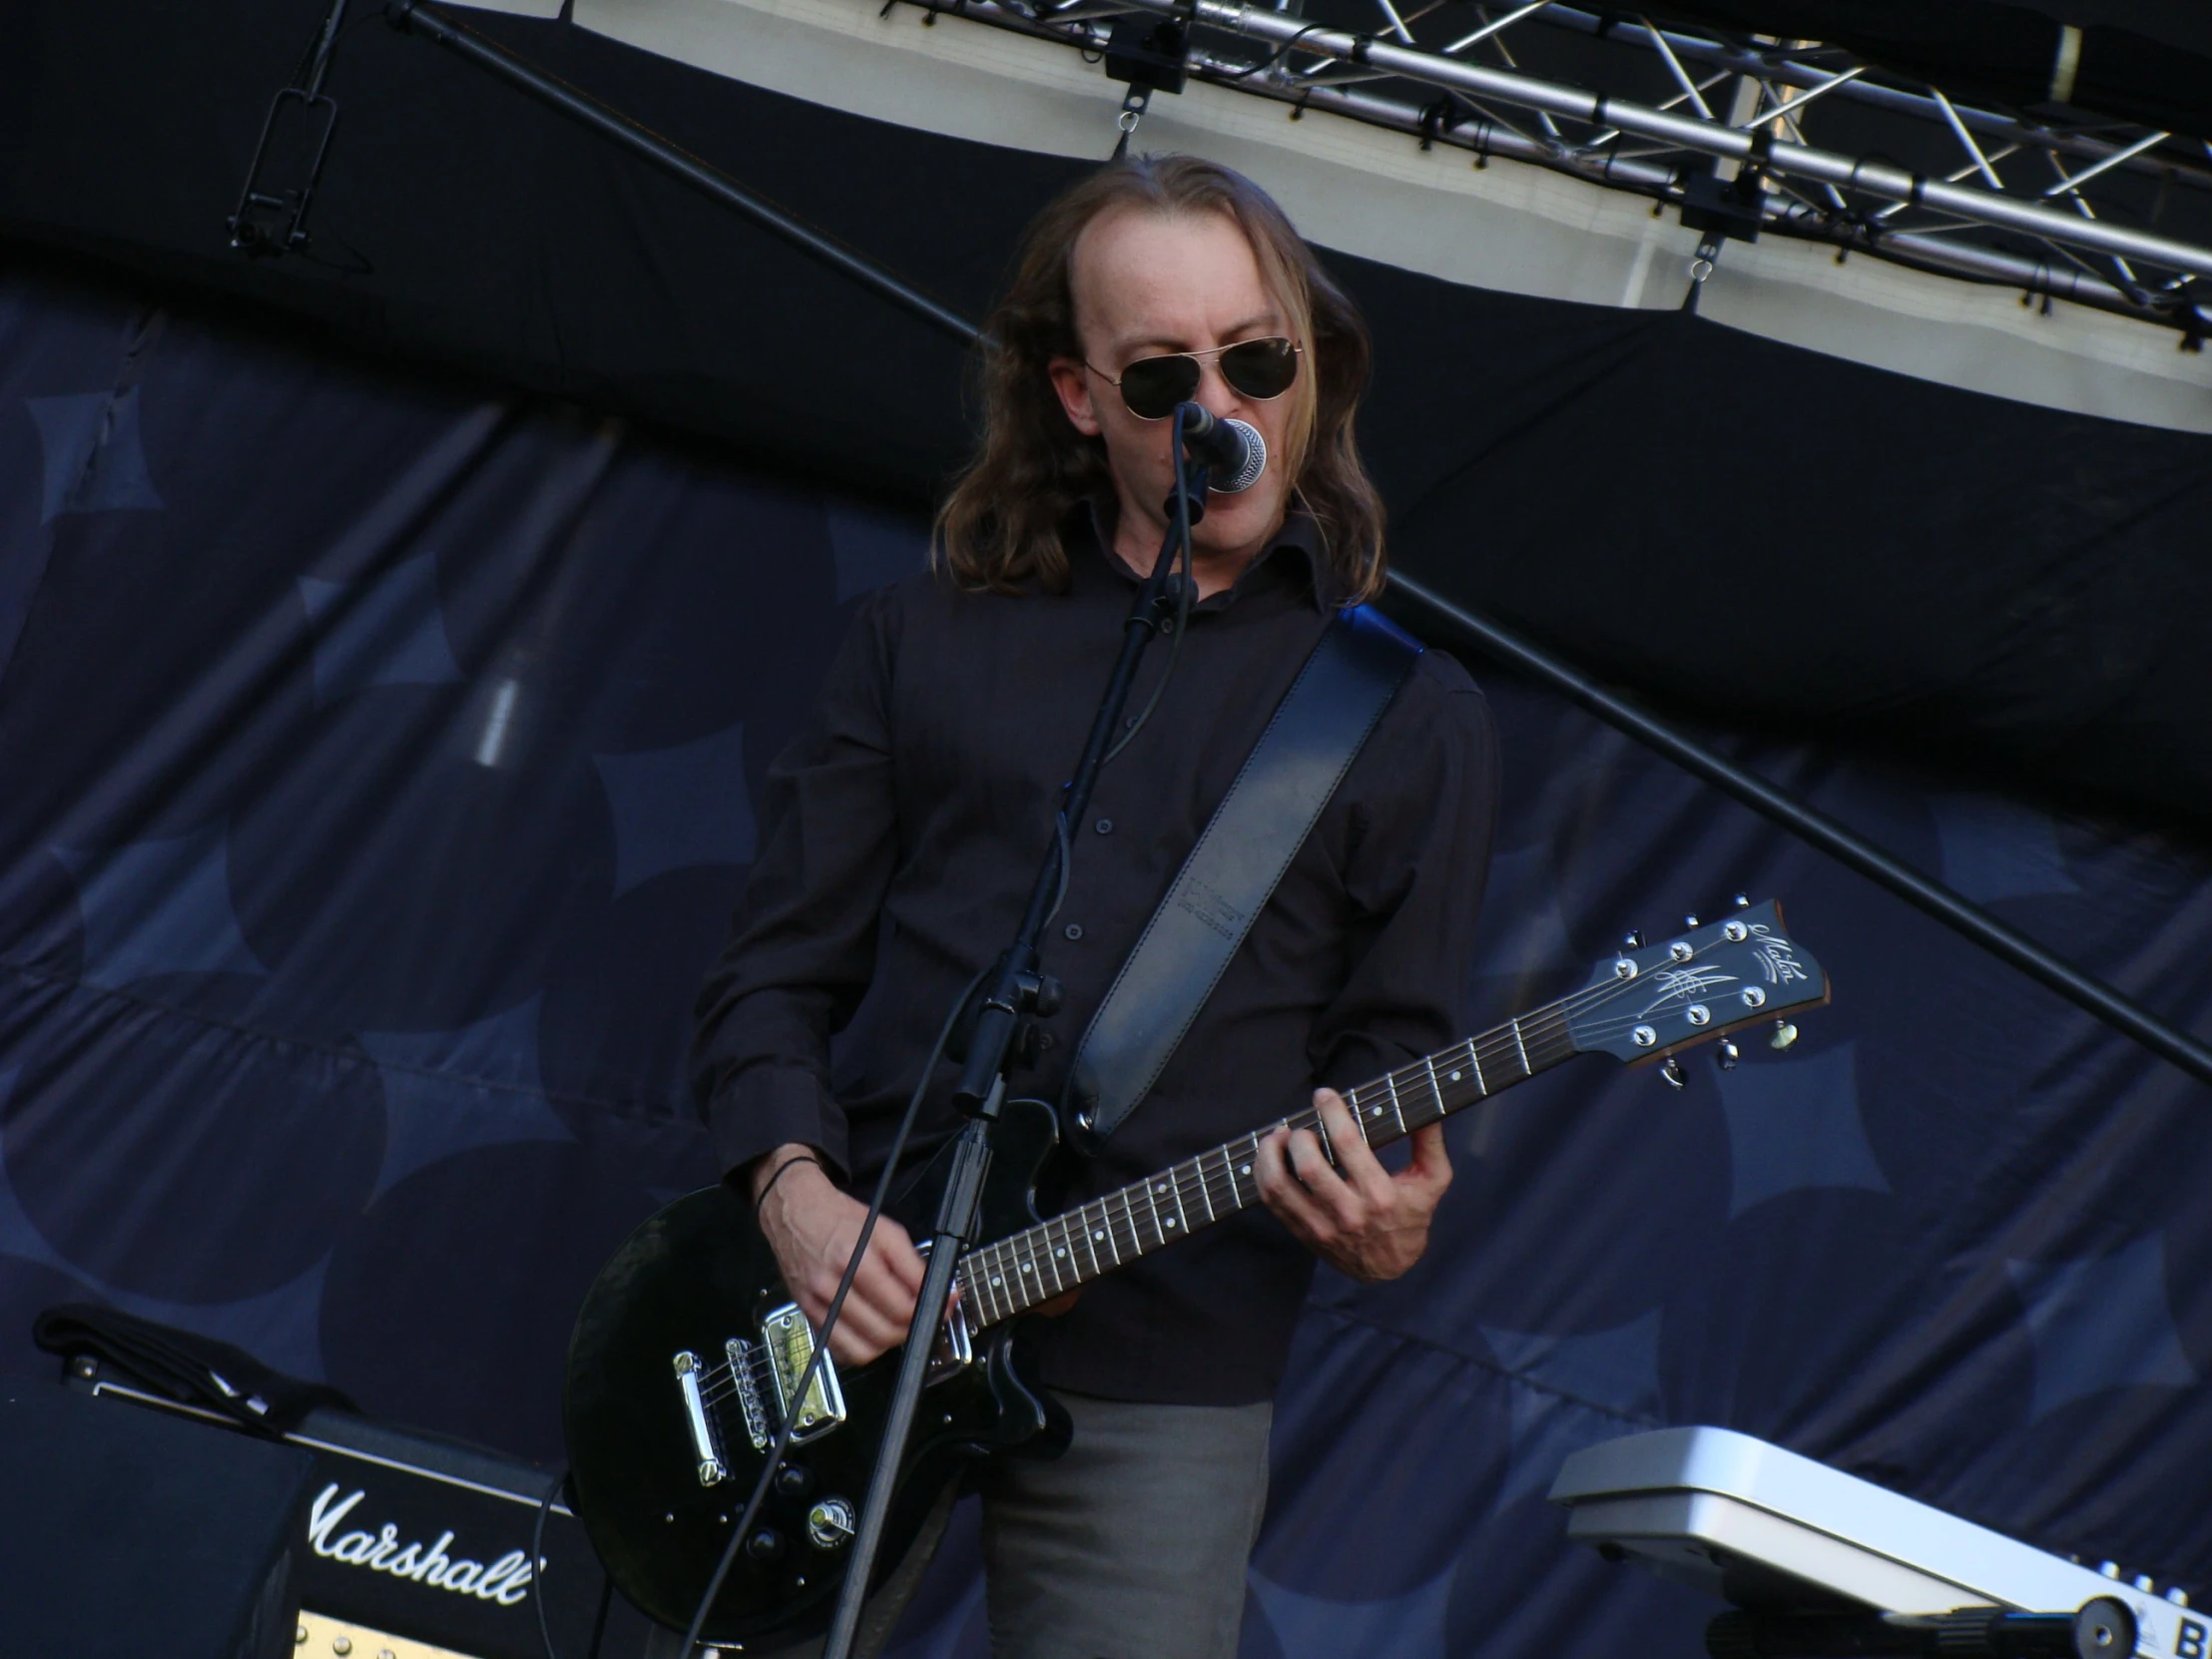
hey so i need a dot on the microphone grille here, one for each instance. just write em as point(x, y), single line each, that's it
point(1255, 460)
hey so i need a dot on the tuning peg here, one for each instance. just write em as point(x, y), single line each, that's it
point(1671, 1074)
point(1727, 1054)
point(1784, 1034)
point(1742, 901)
point(1689, 921)
point(1633, 939)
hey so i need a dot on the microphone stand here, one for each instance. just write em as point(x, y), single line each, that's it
point(1016, 986)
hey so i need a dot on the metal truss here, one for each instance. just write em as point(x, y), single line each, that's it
point(2096, 212)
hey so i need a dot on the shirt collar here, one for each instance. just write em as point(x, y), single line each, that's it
point(1294, 558)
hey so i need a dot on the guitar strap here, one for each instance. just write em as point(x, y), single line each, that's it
point(1319, 728)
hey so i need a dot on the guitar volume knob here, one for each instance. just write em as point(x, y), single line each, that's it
point(830, 1523)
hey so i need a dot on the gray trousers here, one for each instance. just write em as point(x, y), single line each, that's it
point(1131, 1544)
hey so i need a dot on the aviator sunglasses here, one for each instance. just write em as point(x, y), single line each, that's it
point(1258, 369)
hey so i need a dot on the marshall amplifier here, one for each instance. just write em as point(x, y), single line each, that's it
point(408, 1543)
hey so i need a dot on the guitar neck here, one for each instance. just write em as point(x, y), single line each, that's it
point(1013, 1275)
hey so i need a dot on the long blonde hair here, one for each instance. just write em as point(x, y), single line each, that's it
point(999, 529)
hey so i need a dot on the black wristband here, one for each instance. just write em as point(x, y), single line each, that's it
point(796, 1158)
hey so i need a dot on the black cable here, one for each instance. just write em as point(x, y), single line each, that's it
point(774, 1462)
point(1434, 613)
point(432, 23)
point(1183, 590)
point(598, 1625)
point(1061, 855)
point(1275, 57)
point(537, 1557)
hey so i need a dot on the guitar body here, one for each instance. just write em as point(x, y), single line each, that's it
point(698, 1274)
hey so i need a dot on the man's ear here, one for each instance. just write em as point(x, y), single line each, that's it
point(1073, 384)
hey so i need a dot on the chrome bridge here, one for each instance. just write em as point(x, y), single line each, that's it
point(761, 1376)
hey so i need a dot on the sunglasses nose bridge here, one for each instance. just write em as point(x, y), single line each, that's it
point(1227, 397)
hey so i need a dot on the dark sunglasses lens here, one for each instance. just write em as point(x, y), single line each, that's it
point(1261, 367)
point(1152, 386)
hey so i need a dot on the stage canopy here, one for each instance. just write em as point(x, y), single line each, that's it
point(1851, 492)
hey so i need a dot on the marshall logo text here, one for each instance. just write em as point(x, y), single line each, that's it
point(506, 1580)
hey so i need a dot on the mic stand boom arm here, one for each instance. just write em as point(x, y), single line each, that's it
point(1012, 991)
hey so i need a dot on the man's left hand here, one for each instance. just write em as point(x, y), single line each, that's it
point(1356, 1216)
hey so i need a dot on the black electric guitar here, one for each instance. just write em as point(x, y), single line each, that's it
point(687, 1355)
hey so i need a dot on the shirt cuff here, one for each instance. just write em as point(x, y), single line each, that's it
point(767, 1107)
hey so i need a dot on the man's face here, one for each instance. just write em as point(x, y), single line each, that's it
point(1146, 284)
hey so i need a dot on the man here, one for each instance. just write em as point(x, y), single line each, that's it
point(901, 832)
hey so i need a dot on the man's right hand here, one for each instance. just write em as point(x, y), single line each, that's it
point(811, 1225)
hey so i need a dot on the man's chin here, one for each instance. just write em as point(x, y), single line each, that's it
point(1234, 522)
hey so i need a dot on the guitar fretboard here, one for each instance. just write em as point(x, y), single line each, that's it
point(1019, 1272)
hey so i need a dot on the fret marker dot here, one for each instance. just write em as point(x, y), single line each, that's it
point(994, 1278)
point(1099, 1234)
point(1243, 1168)
point(1171, 1221)
point(1059, 1253)
point(1025, 1267)
point(1377, 1112)
point(1455, 1077)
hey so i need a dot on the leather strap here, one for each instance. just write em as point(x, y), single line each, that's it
point(1319, 728)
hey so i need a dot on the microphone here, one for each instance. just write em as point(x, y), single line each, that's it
point(1232, 450)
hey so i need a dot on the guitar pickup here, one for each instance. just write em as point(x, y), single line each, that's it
point(789, 1341)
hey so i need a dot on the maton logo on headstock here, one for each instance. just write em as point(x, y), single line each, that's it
point(505, 1580)
point(1776, 954)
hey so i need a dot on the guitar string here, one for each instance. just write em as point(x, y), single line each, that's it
point(1511, 1041)
point(1218, 1178)
point(1027, 1286)
point(1546, 1027)
point(1548, 1032)
point(716, 1392)
point(1546, 1035)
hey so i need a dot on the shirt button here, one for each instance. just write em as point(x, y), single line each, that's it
point(1105, 827)
point(1074, 930)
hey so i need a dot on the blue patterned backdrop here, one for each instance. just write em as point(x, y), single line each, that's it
point(379, 767)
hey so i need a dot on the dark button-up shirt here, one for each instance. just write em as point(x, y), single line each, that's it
point(900, 833)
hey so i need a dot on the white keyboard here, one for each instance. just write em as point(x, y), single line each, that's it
point(1753, 1523)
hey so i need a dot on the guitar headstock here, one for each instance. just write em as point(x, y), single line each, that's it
point(1705, 981)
